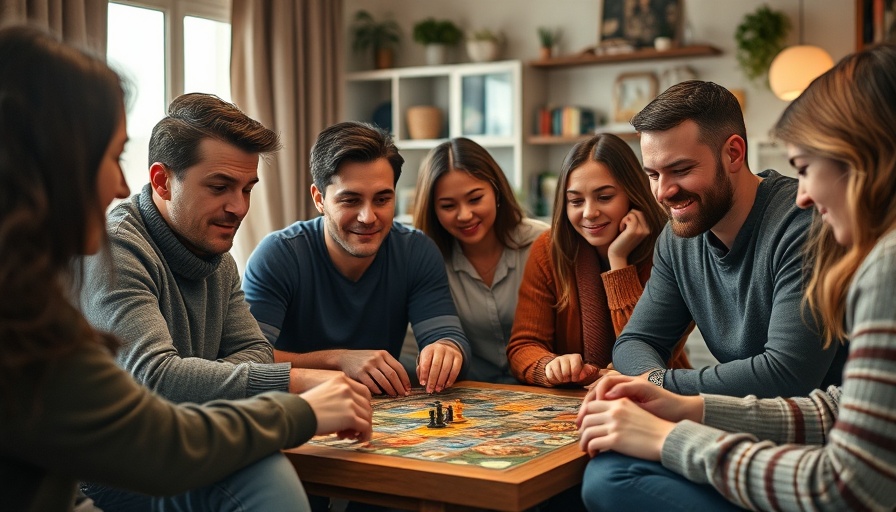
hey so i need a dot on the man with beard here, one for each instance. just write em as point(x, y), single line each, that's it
point(730, 259)
point(337, 292)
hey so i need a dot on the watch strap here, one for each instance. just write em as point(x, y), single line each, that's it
point(656, 376)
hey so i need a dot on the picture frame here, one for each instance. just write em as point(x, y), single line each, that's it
point(875, 22)
point(631, 93)
point(638, 23)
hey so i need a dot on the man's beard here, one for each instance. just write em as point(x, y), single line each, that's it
point(711, 208)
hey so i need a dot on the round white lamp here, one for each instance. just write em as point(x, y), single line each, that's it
point(794, 69)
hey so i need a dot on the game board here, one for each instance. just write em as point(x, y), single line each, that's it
point(503, 428)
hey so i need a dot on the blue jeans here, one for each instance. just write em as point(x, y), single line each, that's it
point(615, 482)
point(270, 484)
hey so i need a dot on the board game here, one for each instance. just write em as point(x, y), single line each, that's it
point(503, 428)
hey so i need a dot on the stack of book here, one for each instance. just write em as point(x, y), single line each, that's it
point(564, 121)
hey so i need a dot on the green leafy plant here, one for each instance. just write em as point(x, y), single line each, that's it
point(369, 33)
point(432, 31)
point(486, 35)
point(548, 37)
point(760, 37)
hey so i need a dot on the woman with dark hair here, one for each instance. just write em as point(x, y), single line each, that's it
point(67, 412)
point(836, 448)
point(466, 205)
point(585, 276)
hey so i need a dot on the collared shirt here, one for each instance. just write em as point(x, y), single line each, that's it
point(486, 313)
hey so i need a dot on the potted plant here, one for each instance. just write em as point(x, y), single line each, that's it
point(436, 36)
point(548, 39)
point(484, 45)
point(760, 37)
point(382, 36)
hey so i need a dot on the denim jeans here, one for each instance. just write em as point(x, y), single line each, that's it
point(615, 482)
point(270, 484)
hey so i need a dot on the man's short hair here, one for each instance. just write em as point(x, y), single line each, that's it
point(351, 142)
point(196, 116)
point(712, 107)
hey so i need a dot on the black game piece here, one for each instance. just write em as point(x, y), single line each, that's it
point(432, 419)
point(440, 415)
point(449, 416)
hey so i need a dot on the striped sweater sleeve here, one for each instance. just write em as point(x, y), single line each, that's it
point(834, 450)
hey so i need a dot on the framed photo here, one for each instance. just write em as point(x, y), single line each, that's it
point(638, 23)
point(632, 92)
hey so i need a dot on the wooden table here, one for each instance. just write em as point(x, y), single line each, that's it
point(404, 483)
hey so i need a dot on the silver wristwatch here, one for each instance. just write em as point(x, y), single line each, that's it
point(656, 376)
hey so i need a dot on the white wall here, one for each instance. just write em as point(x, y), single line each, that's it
point(827, 23)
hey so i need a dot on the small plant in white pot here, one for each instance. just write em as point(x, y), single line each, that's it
point(484, 45)
point(437, 36)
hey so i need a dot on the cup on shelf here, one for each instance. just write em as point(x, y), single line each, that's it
point(662, 43)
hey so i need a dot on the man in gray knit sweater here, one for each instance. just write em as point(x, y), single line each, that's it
point(167, 286)
point(730, 258)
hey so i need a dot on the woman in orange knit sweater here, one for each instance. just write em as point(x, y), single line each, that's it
point(584, 277)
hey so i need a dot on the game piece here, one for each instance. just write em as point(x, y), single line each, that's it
point(435, 419)
point(432, 419)
point(440, 418)
point(449, 416)
point(458, 413)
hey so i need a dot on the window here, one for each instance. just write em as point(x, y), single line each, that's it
point(164, 48)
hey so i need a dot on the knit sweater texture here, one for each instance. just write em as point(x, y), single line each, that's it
point(303, 303)
point(834, 450)
point(186, 327)
point(746, 301)
point(601, 302)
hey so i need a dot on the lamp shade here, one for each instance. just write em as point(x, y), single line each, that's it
point(794, 69)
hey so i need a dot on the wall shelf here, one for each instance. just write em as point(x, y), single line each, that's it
point(557, 140)
point(481, 101)
point(644, 54)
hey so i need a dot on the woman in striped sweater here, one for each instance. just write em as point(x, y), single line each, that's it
point(833, 450)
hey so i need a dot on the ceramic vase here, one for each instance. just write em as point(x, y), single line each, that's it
point(424, 122)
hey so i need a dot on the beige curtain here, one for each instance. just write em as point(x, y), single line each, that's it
point(80, 22)
point(286, 67)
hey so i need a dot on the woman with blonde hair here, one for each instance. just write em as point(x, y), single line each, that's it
point(466, 205)
point(836, 448)
point(67, 411)
point(585, 276)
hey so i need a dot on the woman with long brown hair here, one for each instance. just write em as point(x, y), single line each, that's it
point(584, 277)
point(67, 412)
point(465, 203)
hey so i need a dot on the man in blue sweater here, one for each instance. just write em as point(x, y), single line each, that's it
point(337, 292)
point(730, 259)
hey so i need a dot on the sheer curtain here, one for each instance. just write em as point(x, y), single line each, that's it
point(286, 72)
point(80, 22)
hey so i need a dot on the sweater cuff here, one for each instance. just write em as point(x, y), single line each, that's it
point(683, 449)
point(538, 375)
point(268, 377)
point(623, 287)
point(725, 412)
